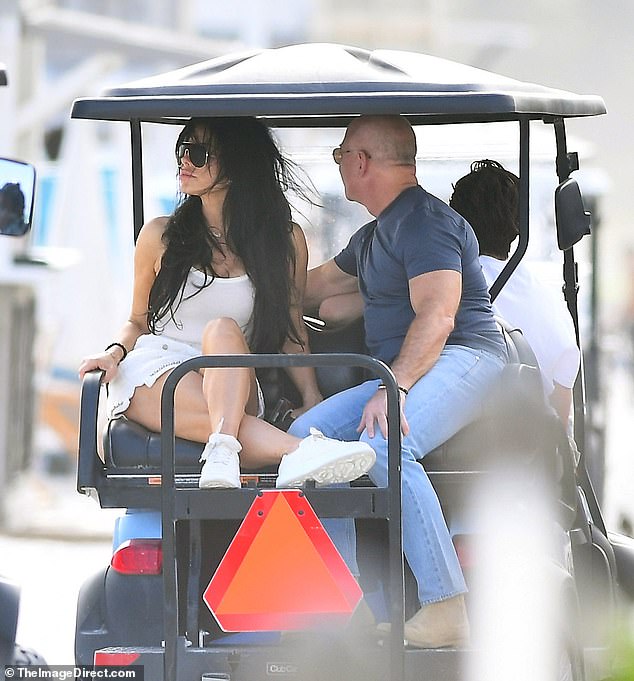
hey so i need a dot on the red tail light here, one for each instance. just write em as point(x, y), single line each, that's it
point(139, 557)
point(103, 659)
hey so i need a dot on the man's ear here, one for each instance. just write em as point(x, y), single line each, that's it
point(362, 162)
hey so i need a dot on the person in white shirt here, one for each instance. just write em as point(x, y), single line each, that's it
point(488, 197)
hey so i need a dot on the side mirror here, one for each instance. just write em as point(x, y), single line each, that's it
point(573, 220)
point(17, 191)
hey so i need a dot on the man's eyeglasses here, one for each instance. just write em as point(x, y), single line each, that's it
point(338, 152)
point(197, 152)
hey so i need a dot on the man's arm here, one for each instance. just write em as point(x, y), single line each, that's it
point(435, 297)
point(324, 281)
point(341, 309)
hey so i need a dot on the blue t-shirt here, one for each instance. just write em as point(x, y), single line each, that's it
point(417, 233)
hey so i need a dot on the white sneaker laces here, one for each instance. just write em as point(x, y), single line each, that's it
point(220, 448)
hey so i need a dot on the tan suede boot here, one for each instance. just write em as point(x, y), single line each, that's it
point(438, 625)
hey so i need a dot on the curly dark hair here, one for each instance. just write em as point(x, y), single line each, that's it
point(258, 228)
point(488, 198)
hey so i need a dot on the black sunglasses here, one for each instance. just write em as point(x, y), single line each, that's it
point(197, 152)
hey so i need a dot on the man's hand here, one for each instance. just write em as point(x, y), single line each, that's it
point(375, 411)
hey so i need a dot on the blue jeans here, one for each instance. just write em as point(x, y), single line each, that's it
point(442, 402)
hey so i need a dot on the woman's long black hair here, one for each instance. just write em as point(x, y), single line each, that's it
point(258, 228)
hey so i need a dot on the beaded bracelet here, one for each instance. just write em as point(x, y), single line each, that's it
point(405, 391)
point(118, 345)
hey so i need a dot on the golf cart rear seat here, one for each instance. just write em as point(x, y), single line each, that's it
point(130, 475)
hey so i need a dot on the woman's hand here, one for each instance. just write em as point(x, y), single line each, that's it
point(106, 361)
point(375, 411)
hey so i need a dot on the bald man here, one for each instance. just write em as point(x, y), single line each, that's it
point(427, 315)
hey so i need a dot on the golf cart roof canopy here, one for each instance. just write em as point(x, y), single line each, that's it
point(321, 84)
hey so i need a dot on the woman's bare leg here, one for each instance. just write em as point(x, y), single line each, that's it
point(262, 443)
point(201, 402)
point(231, 392)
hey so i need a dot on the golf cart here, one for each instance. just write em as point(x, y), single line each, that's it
point(171, 568)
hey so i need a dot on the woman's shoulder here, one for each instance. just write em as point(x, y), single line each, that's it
point(154, 228)
point(299, 236)
point(300, 246)
point(297, 231)
point(151, 234)
point(150, 241)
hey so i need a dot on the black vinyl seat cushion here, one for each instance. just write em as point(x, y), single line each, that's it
point(128, 444)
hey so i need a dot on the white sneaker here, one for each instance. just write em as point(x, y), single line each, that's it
point(324, 460)
point(222, 465)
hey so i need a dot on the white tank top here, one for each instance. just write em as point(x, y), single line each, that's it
point(224, 297)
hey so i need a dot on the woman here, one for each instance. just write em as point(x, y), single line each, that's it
point(224, 274)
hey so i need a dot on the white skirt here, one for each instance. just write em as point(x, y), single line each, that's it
point(150, 358)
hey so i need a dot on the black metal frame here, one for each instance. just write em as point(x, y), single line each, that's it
point(367, 502)
point(522, 245)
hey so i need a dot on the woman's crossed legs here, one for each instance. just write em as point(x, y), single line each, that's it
point(219, 406)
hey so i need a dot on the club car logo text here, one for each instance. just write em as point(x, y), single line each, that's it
point(281, 669)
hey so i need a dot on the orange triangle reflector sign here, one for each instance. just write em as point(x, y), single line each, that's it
point(281, 571)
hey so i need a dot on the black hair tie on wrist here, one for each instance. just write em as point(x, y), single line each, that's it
point(118, 345)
